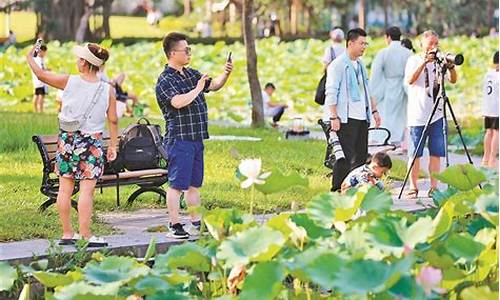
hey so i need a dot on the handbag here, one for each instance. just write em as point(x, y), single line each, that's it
point(75, 125)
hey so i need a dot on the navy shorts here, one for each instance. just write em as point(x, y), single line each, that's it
point(434, 135)
point(185, 164)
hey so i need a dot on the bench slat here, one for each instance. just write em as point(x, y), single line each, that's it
point(135, 174)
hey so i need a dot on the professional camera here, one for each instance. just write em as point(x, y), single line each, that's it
point(336, 147)
point(441, 57)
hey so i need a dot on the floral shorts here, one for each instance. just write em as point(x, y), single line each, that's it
point(79, 155)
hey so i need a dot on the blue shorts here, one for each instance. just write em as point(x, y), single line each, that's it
point(434, 134)
point(185, 164)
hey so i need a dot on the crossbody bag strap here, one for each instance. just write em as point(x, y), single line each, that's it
point(92, 103)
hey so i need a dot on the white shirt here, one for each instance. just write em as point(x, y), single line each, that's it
point(420, 102)
point(328, 56)
point(490, 94)
point(357, 110)
point(37, 83)
point(269, 111)
point(77, 97)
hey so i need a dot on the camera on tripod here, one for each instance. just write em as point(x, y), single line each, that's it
point(450, 58)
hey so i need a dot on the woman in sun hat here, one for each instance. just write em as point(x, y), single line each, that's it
point(87, 103)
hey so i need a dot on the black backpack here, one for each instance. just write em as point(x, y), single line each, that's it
point(141, 147)
point(319, 97)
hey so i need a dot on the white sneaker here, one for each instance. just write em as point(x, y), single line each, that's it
point(192, 229)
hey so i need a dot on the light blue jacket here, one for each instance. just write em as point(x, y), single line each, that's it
point(337, 87)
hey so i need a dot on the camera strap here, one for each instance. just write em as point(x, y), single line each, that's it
point(427, 84)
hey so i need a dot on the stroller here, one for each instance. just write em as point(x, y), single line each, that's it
point(334, 151)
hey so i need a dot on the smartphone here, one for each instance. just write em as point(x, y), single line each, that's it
point(38, 44)
point(229, 57)
point(207, 83)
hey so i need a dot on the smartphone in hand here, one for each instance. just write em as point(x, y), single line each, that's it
point(207, 83)
point(38, 45)
point(229, 57)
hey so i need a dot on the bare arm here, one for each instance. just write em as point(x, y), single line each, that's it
point(182, 100)
point(375, 113)
point(219, 82)
point(416, 73)
point(112, 119)
point(55, 80)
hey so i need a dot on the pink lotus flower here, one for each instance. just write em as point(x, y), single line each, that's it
point(430, 278)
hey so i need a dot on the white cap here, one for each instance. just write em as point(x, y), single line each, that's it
point(85, 53)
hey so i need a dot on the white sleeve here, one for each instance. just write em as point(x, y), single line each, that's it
point(327, 56)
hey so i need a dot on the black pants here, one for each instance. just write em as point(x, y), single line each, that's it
point(278, 115)
point(353, 137)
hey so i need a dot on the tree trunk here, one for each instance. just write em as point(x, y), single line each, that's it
point(187, 7)
point(253, 78)
point(386, 13)
point(83, 28)
point(59, 19)
point(490, 10)
point(106, 13)
point(294, 17)
point(361, 14)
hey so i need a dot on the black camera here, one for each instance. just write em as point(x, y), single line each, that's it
point(441, 57)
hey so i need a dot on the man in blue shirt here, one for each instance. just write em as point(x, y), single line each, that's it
point(180, 95)
point(347, 94)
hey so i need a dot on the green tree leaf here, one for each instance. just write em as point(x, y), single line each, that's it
point(7, 276)
point(462, 176)
point(254, 244)
point(264, 282)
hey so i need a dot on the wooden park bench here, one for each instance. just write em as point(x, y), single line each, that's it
point(148, 180)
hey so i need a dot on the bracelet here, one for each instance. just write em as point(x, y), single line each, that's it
point(334, 118)
point(375, 111)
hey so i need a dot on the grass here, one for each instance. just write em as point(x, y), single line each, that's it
point(21, 170)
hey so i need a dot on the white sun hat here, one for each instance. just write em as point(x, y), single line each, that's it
point(84, 52)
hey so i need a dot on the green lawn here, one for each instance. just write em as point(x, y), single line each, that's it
point(21, 170)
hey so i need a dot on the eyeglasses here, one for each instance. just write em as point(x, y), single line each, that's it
point(187, 50)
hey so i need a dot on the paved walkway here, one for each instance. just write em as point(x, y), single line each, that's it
point(132, 227)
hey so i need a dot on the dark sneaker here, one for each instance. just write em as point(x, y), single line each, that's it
point(176, 231)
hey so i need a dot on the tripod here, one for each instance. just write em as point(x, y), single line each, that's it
point(442, 68)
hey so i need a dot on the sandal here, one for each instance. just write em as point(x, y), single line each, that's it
point(431, 191)
point(94, 241)
point(70, 241)
point(412, 194)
